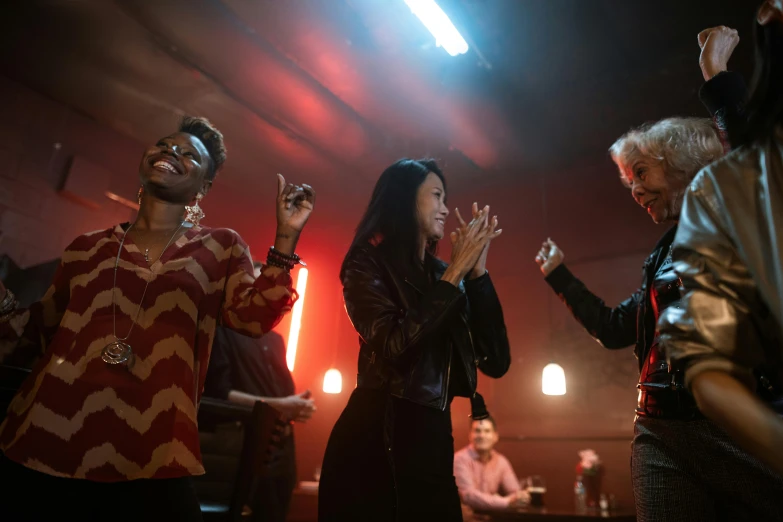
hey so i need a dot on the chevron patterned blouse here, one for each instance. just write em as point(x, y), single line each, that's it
point(76, 416)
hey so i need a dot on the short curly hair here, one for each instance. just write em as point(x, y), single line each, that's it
point(210, 137)
point(683, 145)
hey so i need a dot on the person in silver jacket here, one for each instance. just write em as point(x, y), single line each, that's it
point(727, 332)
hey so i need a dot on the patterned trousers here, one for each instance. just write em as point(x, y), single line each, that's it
point(691, 471)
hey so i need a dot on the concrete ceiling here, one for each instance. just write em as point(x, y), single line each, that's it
point(337, 89)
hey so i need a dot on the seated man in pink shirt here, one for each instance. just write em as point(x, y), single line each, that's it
point(485, 478)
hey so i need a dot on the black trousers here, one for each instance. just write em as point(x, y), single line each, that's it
point(31, 496)
point(369, 476)
point(271, 497)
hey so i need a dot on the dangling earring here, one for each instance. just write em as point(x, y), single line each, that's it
point(141, 192)
point(194, 214)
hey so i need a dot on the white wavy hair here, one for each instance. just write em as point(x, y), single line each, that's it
point(683, 145)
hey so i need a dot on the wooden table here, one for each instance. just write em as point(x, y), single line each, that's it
point(532, 514)
point(304, 508)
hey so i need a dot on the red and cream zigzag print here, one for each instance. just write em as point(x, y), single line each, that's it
point(79, 417)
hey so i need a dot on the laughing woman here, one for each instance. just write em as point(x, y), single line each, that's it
point(105, 426)
point(683, 467)
point(424, 329)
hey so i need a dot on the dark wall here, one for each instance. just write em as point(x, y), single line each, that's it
point(38, 140)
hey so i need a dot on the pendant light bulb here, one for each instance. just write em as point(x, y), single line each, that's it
point(333, 381)
point(553, 380)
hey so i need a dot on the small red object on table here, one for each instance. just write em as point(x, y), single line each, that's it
point(591, 479)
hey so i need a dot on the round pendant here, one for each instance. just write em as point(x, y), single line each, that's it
point(117, 352)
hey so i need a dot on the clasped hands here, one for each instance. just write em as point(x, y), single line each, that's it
point(470, 241)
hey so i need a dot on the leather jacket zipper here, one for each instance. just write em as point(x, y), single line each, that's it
point(445, 395)
point(414, 286)
point(470, 336)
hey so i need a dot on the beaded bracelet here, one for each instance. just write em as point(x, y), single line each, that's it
point(9, 302)
point(285, 261)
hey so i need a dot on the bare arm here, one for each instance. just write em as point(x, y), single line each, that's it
point(731, 405)
point(299, 408)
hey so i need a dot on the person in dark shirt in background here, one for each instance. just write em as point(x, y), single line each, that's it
point(246, 370)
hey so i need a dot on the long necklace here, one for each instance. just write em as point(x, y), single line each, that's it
point(119, 351)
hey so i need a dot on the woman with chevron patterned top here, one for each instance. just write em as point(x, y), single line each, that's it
point(105, 426)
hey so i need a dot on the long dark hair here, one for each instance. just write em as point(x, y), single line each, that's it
point(765, 107)
point(392, 215)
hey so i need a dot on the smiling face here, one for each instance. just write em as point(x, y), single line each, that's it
point(483, 435)
point(659, 194)
point(431, 208)
point(176, 168)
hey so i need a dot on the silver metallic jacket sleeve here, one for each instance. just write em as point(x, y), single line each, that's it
point(714, 325)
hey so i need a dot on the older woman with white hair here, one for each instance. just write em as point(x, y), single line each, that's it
point(672, 479)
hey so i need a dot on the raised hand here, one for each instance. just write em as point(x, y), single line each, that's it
point(549, 257)
point(294, 205)
point(716, 44)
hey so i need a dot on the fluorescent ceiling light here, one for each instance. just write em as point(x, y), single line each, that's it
point(438, 23)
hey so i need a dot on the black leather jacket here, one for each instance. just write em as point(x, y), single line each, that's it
point(632, 322)
point(413, 338)
point(662, 393)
